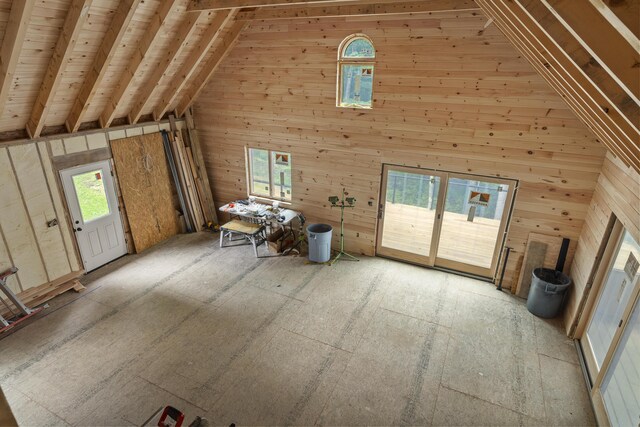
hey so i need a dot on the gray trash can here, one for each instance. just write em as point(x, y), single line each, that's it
point(319, 242)
point(547, 291)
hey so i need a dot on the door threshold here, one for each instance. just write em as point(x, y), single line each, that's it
point(444, 270)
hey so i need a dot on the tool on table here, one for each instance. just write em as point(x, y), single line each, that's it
point(350, 203)
point(24, 312)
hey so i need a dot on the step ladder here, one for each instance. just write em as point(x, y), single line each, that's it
point(24, 312)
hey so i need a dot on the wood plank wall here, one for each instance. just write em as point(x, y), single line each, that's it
point(31, 196)
point(448, 95)
point(617, 192)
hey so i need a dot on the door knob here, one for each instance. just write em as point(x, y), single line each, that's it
point(77, 229)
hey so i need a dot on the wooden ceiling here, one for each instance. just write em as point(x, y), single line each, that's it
point(66, 65)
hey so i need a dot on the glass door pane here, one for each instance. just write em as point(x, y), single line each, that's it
point(616, 292)
point(621, 386)
point(409, 220)
point(92, 198)
point(474, 217)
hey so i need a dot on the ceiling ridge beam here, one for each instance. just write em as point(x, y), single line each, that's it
point(73, 23)
point(616, 132)
point(231, 4)
point(179, 41)
point(200, 81)
point(12, 42)
point(211, 34)
point(148, 41)
point(370, 8)
point(110, 43)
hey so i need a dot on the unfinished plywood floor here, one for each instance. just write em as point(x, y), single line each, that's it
point(218, 333)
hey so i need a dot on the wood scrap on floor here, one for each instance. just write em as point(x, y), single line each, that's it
point(541, 251)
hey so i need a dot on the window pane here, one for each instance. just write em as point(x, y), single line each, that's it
point(281, 175)
point(359, 48)
point(92, 197)
point(259, 171)
point(357, 85)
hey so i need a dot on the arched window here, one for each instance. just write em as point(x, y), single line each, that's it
point(356, 58)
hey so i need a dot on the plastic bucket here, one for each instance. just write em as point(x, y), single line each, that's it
point(547, 291)
point(319, 242)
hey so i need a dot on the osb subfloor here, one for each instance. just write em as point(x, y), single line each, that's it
point(218, 333)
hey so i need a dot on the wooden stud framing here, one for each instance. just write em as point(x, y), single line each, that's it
point(110, 43)
point(144, 47)
point(356, 10)
point(187, 27)
point(12, 45)
point(218, 24)
point(223, 48)
point(230, 4)
point(76, 17)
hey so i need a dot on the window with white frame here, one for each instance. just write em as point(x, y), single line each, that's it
point(356, 57)
point(269, 173)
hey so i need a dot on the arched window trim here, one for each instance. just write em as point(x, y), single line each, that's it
point(342, 60)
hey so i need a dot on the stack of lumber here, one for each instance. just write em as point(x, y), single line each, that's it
point(38, 295)
point(191, 177)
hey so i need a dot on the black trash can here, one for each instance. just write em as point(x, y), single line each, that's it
point(547, 291)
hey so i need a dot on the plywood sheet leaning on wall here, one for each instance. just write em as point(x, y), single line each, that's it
point(145, 184)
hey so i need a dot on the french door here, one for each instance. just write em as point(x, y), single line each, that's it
point(443, 219)
point(611, 339)
point(93, 204)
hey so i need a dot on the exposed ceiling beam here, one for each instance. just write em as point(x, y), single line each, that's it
point(230, 4)
point(14, 34)
point(150, 37)
point(76, 17)
point(377, 8)
point(217, 25)
point(602, 40)
point(199, 82)
point(110, 43)
point(584, 98)
point(179, 41)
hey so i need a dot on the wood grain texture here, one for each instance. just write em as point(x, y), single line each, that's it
point(617, 193)
point(143, 176)
point(448, 95)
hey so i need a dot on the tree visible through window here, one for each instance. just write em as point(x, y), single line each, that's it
point(270, 174)
point(355, 72)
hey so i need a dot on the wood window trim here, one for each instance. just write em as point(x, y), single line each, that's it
point(249, 176)
point(354, 61)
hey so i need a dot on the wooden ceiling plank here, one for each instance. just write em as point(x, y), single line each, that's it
point(180, 38)
point(538, 63)
point(12, 42)
point(110, 42)
point(602, 40)
point(621, 135)
point(609, 86)
point(378, 8)
point(73, 23)
point(231, 4)
point(623, 15)
point(217, 25)
point(145, 46)
point(200, 81)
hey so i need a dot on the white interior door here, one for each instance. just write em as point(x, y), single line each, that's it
point(93, 205)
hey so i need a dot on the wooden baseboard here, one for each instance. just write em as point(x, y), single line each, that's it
point(38, 295)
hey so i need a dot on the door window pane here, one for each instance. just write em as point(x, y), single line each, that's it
point(614, 298)
point(471, 221)
point(410, 212)
point(281, 177)
point(91, 194)
point(621, 386)
point(259, 172)
point(357, 85)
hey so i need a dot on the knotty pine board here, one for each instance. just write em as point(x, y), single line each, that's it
point(447, 96)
